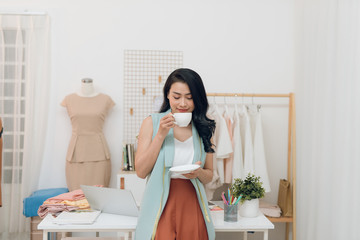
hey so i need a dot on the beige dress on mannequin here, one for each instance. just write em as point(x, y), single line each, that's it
point(88, 157)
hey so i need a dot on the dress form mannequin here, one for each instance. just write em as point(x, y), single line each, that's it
point(88, 156)
point(87, 88)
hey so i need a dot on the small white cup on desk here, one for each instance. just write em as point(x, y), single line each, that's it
point(182, 119)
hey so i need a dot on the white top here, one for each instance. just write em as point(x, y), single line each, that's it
point(238, 164)
point(259, 159)
point(247, 143)
point(184, 155)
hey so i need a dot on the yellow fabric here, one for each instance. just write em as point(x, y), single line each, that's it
point(82, 204)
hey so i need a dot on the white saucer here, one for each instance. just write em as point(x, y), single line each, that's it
point(184, 168)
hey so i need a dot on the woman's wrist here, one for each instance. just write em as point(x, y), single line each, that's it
point(160, 137)
point(205, 175)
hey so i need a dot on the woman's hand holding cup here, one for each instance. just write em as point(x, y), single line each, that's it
point(170, 120)
point(166, 123)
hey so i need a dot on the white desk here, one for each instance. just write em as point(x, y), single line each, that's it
point(116, 223)
point(257, 224)
point(104, 223)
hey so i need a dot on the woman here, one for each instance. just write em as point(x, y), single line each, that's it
point(175, 206)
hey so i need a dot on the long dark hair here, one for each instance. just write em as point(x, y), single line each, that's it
point(203, 124)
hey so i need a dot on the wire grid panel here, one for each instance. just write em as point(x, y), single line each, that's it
point(145, 72)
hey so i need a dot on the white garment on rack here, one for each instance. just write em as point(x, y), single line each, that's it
point(228, 162)
point(227, 113)
point(246, 139)
point(260, 168)
point(238, 166)
point(222, 142)
point(215, 182)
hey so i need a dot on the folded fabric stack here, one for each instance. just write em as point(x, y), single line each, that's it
point(37, 198)
point(269, 209)
point(64, 202)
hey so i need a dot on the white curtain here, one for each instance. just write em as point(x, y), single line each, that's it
point(328, 119)
point(24, 70)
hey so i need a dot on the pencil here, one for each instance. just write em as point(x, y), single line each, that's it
point(224, 199)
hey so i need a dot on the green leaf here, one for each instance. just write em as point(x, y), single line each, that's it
point(250, 187)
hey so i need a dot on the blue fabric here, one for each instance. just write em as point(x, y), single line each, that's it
point(36, 199)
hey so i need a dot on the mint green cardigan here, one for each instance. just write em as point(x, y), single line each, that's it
point(157, 188)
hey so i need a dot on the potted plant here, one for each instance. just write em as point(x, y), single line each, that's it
point(250, 189)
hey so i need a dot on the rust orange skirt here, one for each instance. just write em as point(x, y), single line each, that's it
point(182, 218)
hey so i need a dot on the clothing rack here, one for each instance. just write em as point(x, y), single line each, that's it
point(291, 156)
point(25, 13)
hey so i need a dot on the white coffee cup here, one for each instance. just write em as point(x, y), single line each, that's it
point(182, 119)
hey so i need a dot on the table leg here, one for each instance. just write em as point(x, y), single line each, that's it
point(245, 235)
point(45, 235)
point(266, 234)
point(287, 231)
point(126, 235)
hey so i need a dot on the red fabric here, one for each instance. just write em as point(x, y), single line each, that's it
point(71, 196)
point(53, 209)
point(182, 218)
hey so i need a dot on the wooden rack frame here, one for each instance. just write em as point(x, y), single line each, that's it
point(291, 157)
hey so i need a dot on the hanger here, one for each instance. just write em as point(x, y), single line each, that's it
point(226, 112)
point(258, 107)
point(243, 108)
point(252, 103)
point(236, 107)
point(216, 107)
point(211, 106)
point(226, 107)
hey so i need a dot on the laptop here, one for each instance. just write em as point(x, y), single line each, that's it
point(111, 200)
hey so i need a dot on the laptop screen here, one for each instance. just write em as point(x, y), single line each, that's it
point(111, 200)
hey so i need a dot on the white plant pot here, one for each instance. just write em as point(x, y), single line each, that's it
point(250, 208)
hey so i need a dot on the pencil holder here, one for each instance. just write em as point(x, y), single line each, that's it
point(230, 213)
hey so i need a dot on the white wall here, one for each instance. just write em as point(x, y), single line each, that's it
point(235, 45)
